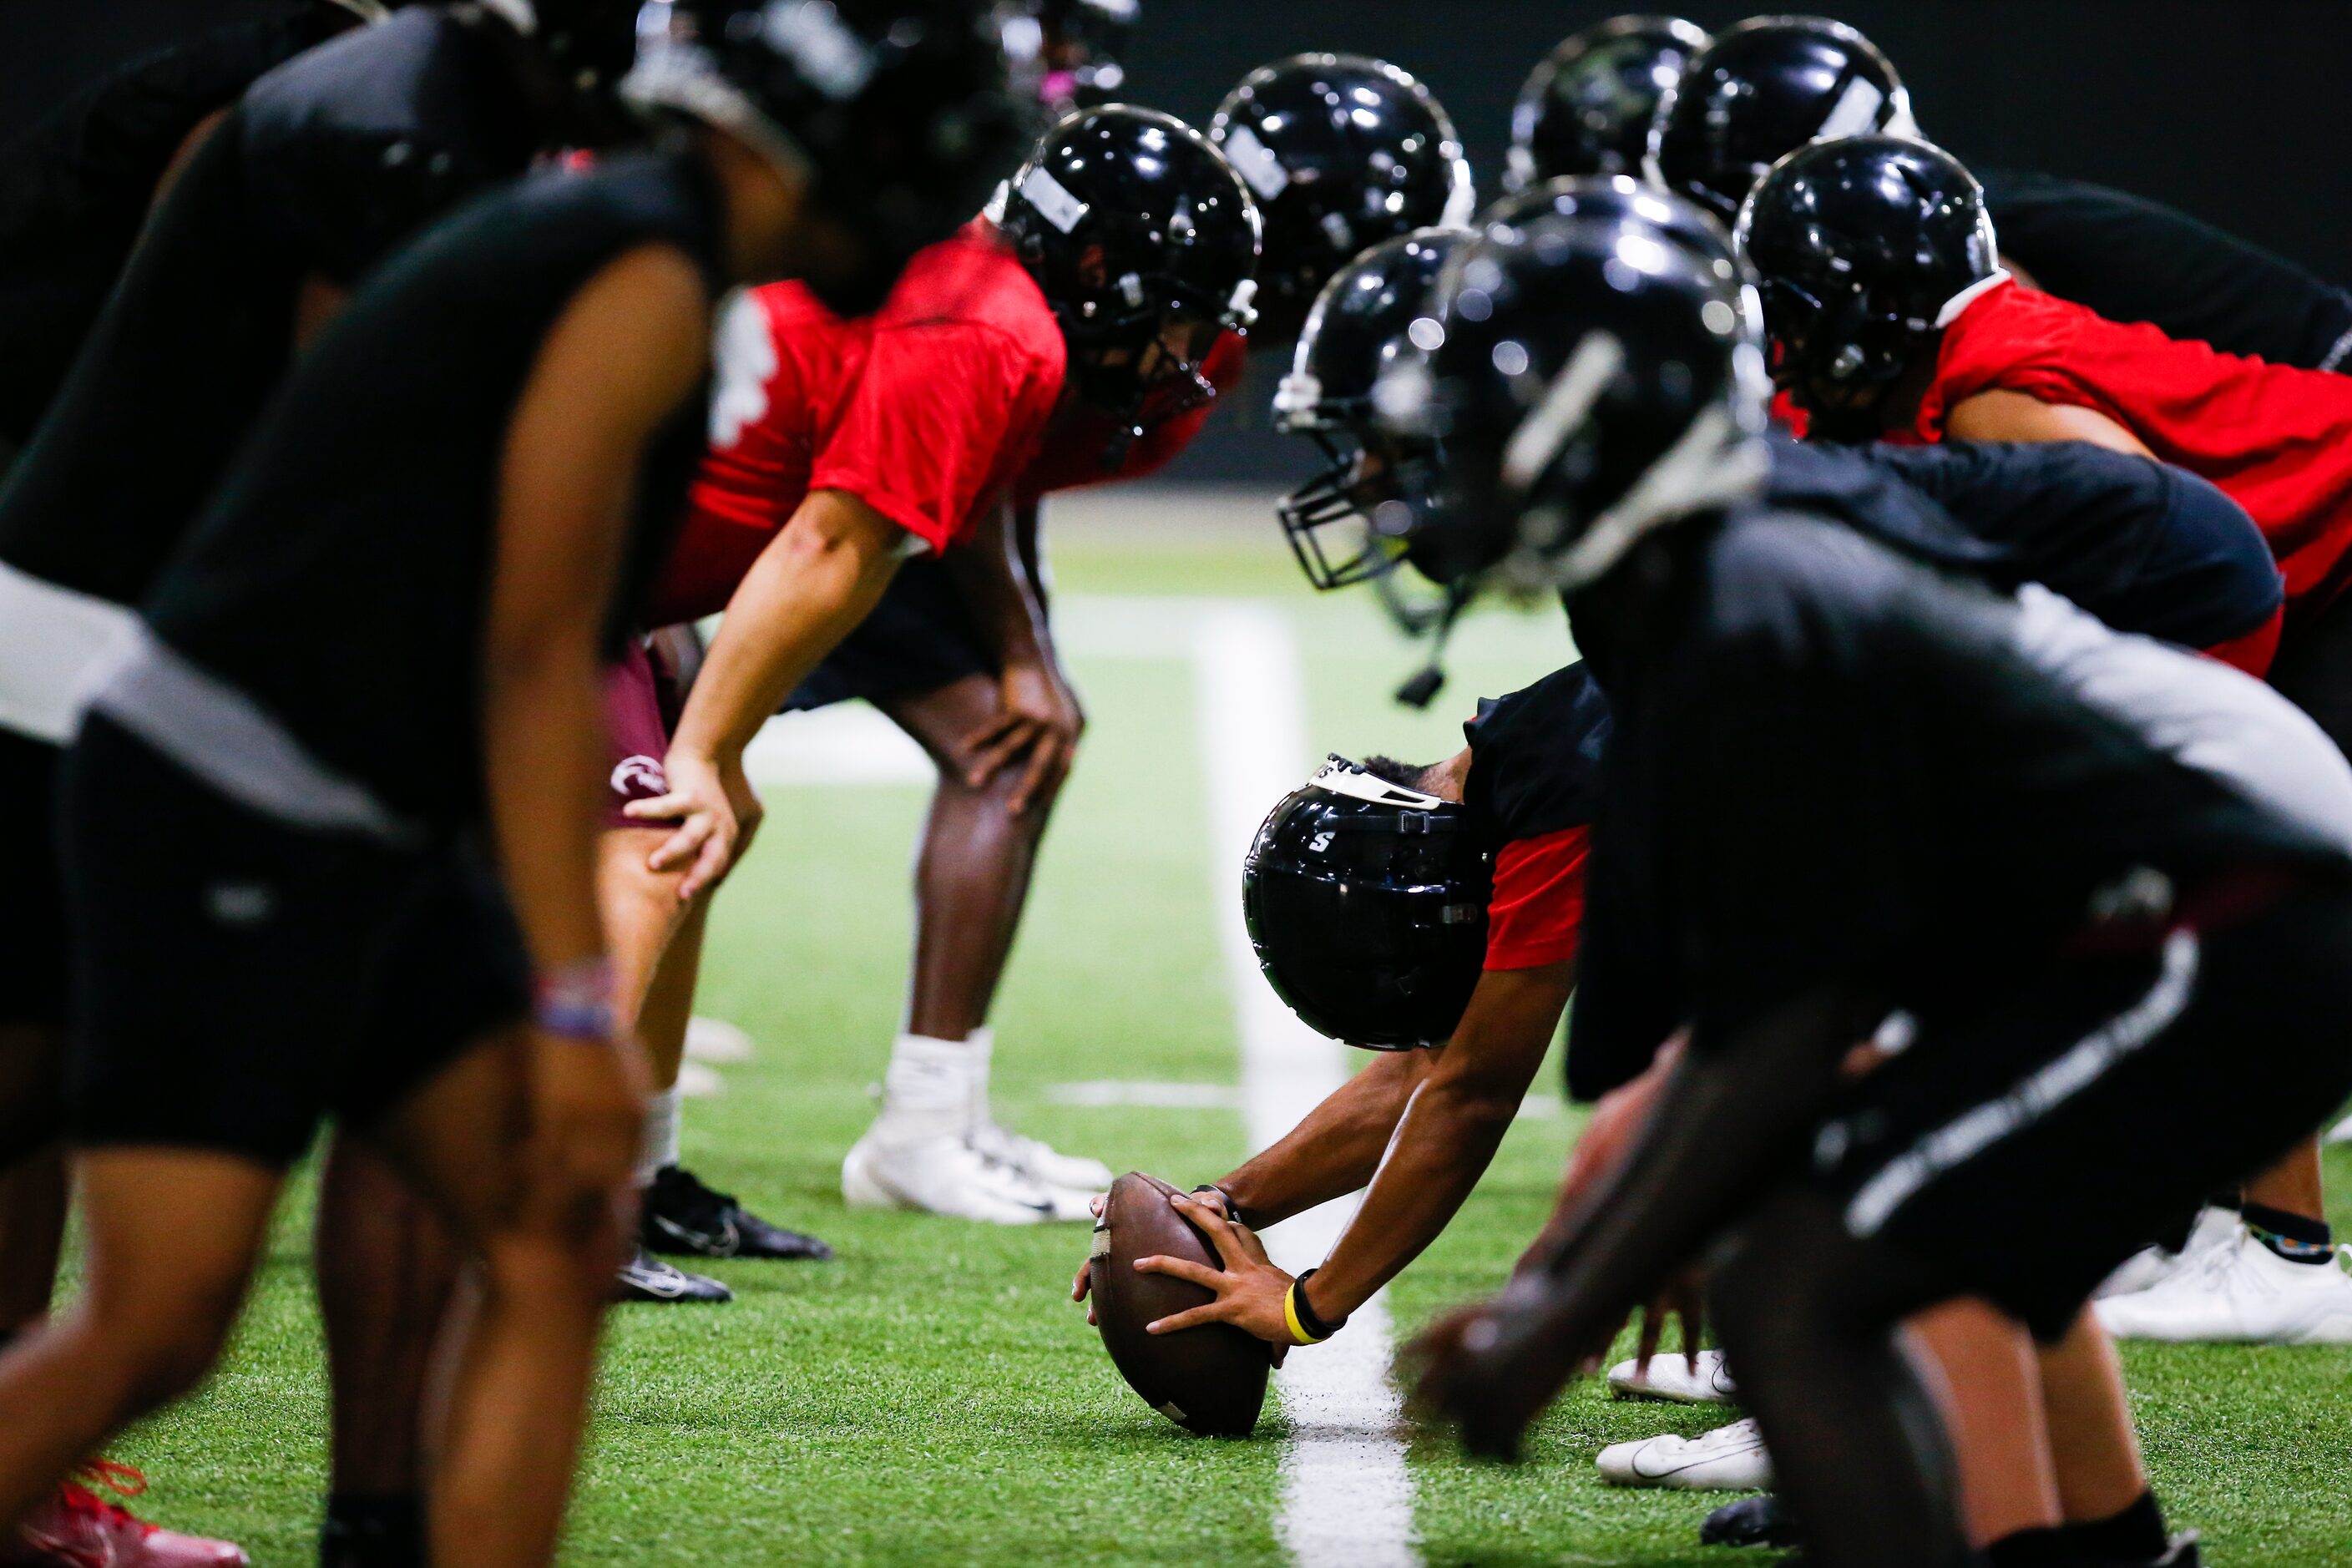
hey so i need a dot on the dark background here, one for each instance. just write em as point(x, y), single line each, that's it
point(2234, 109)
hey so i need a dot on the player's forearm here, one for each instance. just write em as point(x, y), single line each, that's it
point(1448, 1134)
point(807, 591)
point(1334, 1150)
point(993, 576)
point(543, 742)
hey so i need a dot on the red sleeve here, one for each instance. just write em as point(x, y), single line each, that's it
point(944, 415)
point(2014, 340)
point(1537, 912)
point(2253, 652)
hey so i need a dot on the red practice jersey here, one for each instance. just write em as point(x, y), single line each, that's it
point(1074, 455)
point(925, 411)
point(2276, 439)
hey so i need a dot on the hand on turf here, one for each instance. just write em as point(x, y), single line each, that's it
point(717, 811)
point(1037, 717)
point(1250, 1288)
point(1488, 1367)
point(587, 1119)
point(1684, 1297)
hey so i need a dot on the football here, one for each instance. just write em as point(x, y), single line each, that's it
point(1210, 1379)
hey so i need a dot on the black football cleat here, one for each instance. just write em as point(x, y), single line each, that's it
point(1750, 1521)
point(687, 1219)
point(2182, 1553)
point(646, 1278)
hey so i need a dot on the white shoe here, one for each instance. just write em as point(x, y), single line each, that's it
point(1728, 1459)
point(2147, 1269)
point(1041, 1159)
point(716, 1041)
point(2341, 1132)
point(945, 1175)
point(2243, 1293)
point(1670, 1377)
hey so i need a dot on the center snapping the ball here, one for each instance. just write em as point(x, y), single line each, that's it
point(1210, 1379)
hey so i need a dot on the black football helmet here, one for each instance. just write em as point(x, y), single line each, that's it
point(1592, 380)
point(1586, 108)
point(1357, 329)
point(1342, 153)
point(1367, 904)
point(1616, 196)
point(900, 110)
point(1868, 249)
point(1132, 223)
point(1762, 89)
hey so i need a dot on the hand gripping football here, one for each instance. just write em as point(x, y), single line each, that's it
point(1210, 1379)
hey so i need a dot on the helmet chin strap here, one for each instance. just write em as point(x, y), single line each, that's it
point(1716, 462)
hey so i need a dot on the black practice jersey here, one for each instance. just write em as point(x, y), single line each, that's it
point(1535, 758)
point(1833, 765)
point(2145, 547)
point(74, 188)
point(340, 577)
point(326, 165)
point(2136, 260)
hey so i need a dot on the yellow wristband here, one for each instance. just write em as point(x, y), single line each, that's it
point(1290, 1316)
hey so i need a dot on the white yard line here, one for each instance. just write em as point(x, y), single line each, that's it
point(1346, 1497)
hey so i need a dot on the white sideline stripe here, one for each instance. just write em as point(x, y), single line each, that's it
point(1346, 1496)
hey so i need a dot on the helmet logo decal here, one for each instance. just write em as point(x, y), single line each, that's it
point(1320, 843)
point(1052, 199)
point(1567, 404)
point(1255, 163)
point(1855, 111)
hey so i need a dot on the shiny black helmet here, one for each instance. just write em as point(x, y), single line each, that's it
point(899, 110)
point(1592, 380)
point(1132, 224)
point(1367, 904)
point(1586, 108)
point(1762, 89)
point(1356, 330)
point(1615, 196)
point(1867, 248)
point(593, 42)
point(1066, 55)
point(1342, 153)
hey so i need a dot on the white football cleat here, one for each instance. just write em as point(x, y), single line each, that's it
point(716, 1041)
point(1728, 1459)
point(2146, 1269)
point(945, 1175)
point(1670, 1377)
point(2243, 1293)
point(2341, 1132)
point(1040, 1159)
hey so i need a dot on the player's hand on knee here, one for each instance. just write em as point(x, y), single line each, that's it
point(1038, 718)
point(588, 1112)
point(708, 808)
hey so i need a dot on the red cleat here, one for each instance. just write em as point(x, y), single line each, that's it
point(78, 1529)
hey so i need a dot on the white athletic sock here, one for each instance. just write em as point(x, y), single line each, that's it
point(661, 1134)
point(927, 1093)
point(982, 1044)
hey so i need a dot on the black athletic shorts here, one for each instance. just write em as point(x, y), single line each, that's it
point(236, 981)
point(33, 955)
point(2024, 1149)
point(2314, 669)
point(918, 638)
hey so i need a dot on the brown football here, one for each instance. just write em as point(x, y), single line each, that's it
point(1210, 1379)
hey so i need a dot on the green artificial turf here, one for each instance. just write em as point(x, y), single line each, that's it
point(930, 1397)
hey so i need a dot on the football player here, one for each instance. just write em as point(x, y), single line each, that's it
point(1586, 107)
point(1986, 360)
point(1773, 84)
point(2044, 885)
point(294, 771)
point(278, 206)
point(1125, 245)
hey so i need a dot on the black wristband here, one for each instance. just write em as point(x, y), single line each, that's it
point(1314, 1322)
point(1233, 1210)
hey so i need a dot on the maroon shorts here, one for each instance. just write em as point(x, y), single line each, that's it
point(638, 713)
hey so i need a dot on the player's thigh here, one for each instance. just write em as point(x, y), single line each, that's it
point(173, 1236)
point(460, 1137)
